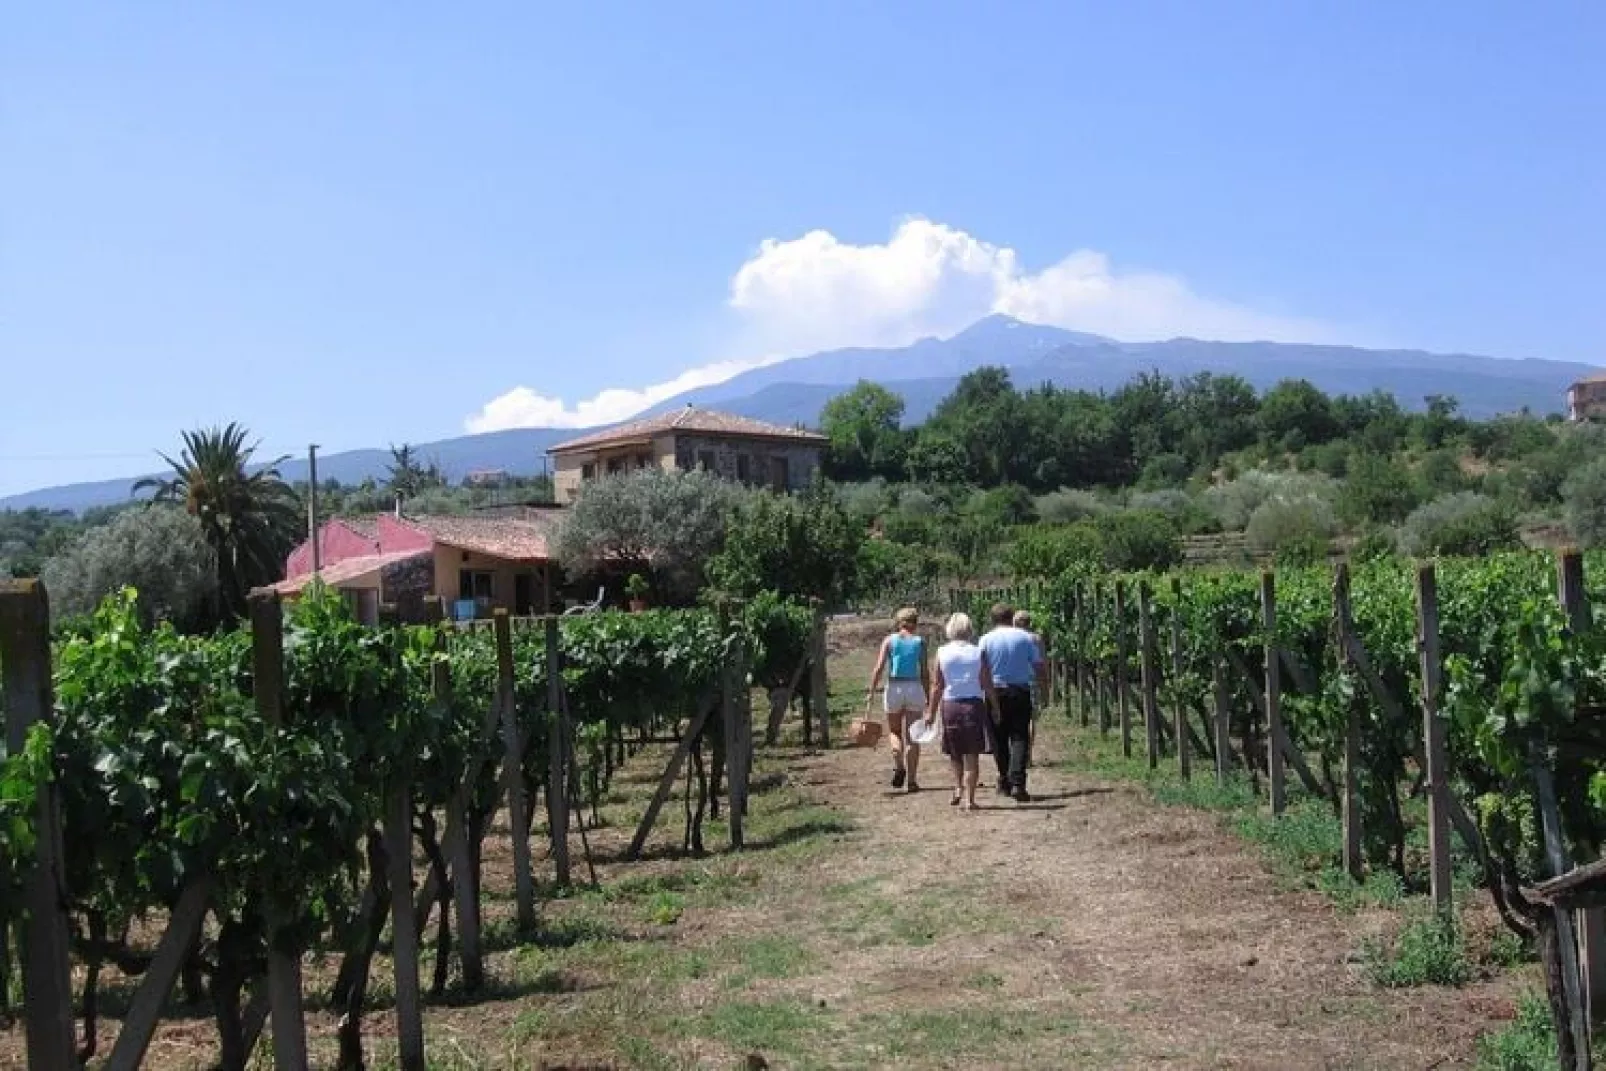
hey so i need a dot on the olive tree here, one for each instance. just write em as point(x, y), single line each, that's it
point(661, 524)
point(160, 551)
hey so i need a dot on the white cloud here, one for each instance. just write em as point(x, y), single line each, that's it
point(816, 292)
point(523, 407)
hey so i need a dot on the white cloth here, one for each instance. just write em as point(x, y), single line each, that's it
point(961, 670)
point(904, 697)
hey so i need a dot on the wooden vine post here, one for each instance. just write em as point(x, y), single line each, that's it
point(459, 853)
point(1350, 803)
point(1178, 701)
point(1591, 922)
point(46, 972)
point(1118, 678)
point(1276, 774)
point(559, 754)
point(284, 964)
point(1101, 675)
point(818, 684)
point(1437, 773)
point(1150, 669)
point(1220, 720)
point(518, 813)
point(1070, 664)
point(733, 701)
point(403, 923)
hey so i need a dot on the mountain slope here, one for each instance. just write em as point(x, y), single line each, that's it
point(794, 391)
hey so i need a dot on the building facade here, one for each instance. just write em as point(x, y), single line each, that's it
point(735, 448)
point(1586, 399)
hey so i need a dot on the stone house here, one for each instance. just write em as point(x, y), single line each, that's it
point(737, 448)
point(1586, 399)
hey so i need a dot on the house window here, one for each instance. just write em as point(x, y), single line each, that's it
point(780, 473)
point(474, 584)
point(588, 471)
point(615, 464)
point(705, 460)
point(744, 468)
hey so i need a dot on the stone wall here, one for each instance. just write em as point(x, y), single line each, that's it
point(764, 457)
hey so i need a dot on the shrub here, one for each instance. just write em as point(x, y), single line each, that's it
point(1165, 470)
point(1465, 523)
point(803, 546)
point(865, 500)
point(1584, 496)
point(1233, 503)
point(667, 524)
point(1139, 539)
point(159, 551)
point(1067, 506)
point(1052, 551)
point(915, 502)
point(1528, 1043)
point(1378, 543)
point(1184, 510)
point(1378, 490)
point(1428, 951)
point(1304, 525)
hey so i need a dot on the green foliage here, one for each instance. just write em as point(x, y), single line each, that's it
point(803, 546)
point(1069, 505)
point(1045, 552)
point(1465, 523)
point(1294, 529)
point(31, 537)
point(1377, 490)
point(866, 441)
point(160, 551)
point(1585, 497)
point(1427, 951)
point(664, 524)
point(1295, 414)
point(248, 515)
point(1528, 1043)
point(1139, 539)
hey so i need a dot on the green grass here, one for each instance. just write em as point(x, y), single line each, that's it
point(1427, 951)
point(664, 908)
point(1527, 1044)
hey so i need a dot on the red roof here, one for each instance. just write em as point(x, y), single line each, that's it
point(694, 420)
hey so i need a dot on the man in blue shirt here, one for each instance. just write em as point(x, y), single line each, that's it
point(1016, 662)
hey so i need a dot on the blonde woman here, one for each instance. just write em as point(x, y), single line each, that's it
point(964, 695)
point(903, 659)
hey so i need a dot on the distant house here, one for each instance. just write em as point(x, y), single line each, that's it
point(1586, 399)
point(474, 564)
point(735, 447)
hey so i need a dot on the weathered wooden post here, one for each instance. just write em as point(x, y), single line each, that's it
point(1119, 677)
point(46, 973)
point(1101, 674)
point(518, 813)
point(1350, 804)
point(559, 754)
point(1149, 670)
point(819, 694)
point(1179, 702)
point(1591, 922)
point(1221, 718)
point(403, 924)
point(1437, 772)
point(733, 682)
point(284, 963)
point(1275, 772)
point(459, 853)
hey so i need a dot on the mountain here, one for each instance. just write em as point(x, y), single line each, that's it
point(794, 391)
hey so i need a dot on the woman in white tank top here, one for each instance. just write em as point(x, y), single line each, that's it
point(964, 694)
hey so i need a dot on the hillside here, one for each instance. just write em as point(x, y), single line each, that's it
point(794, 391)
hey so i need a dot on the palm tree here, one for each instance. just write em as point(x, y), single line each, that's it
point(251, 519)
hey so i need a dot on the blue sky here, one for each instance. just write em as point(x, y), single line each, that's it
point(363, 223)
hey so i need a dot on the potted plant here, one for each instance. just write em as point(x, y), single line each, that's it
point(636, 590)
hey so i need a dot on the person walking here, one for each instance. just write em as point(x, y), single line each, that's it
point(903, 660)
point(1017, 664)
point(963, 693)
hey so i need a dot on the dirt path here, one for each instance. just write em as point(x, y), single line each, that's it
point(1160, 933)
point(1155, 936)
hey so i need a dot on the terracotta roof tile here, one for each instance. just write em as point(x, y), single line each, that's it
point(347, 570)
point(689, 419)
point(517, 539)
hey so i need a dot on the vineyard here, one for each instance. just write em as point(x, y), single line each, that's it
point(1476, 685)
point(263, 794)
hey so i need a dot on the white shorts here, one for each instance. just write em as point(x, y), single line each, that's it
point(904, 697)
